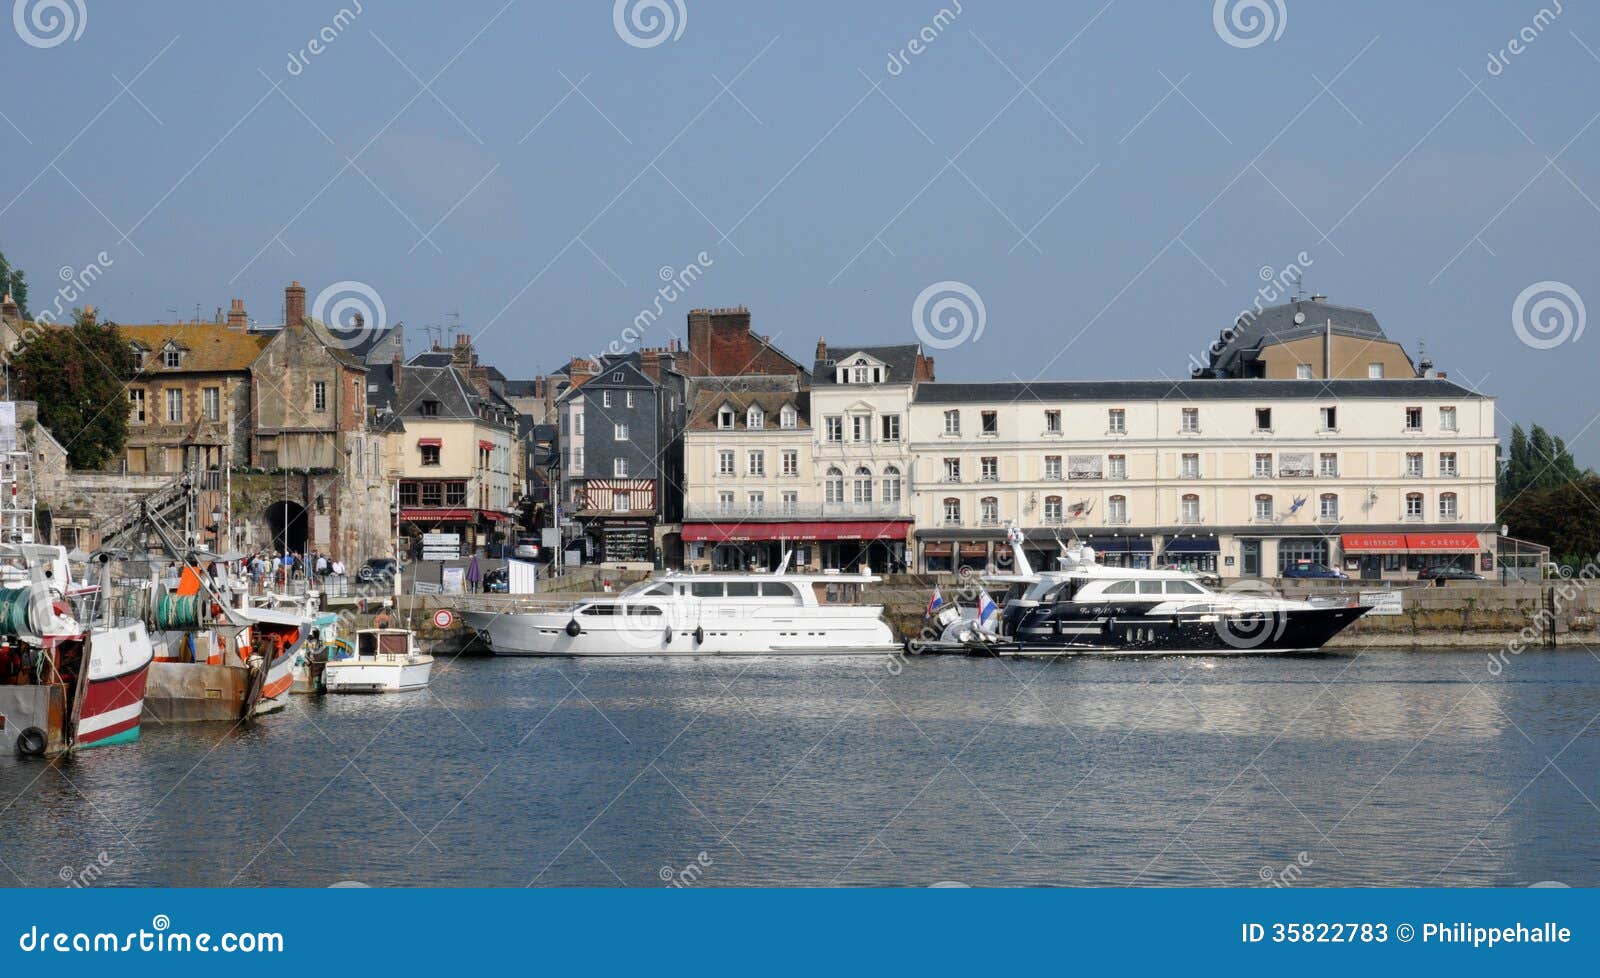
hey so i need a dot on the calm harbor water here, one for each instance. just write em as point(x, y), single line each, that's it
point(1387, 768)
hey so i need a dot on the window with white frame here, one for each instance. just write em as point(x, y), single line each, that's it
point(174, 404)
point(1117, 510)
point(952, 470)
point(1052, 468)
point(1447, 464)
point(756, 463)
point(1413, 465)
point(1263, 465)
point(952, 512)
point(1052, 509)
point(891, 427)
point(1374, 371)
point(755, 419)
point(1447, 419)
point(861, 485)
point(755, 502)
point(629, 397)
point(319, 396)
point(788, 417)
point(211, 401)
point(791, 502)
point(1264, 509)
point(619, 468)
point(1116, 420)
point(1189, 466)
point(172, 357)
point(622, 500)
point(989, 511)
point(1329, 417)
point(1447, 506)
point(791, 462)
point(833, 485)
point(1328, 465)
point(1413, 419)
point(725, 463)
point(891, 484)
point(989, 469)
point(1191, 420)
point(1302, 371)
point(860, 427)
point(833, 426)
point(619, 431)
point(1263, 419)
point(605, 398)
point(1328, 506)
point(1189, 508)
point(725, 502)
point(952, 422)
point(1117, 466)
point(725, 418)
point(1413, 505)
point(989, 423)
point(1052, 422)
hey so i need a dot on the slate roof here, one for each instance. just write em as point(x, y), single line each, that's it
point(901, 361)
point(1275, 325)
point(703, 414)
point(1187, 390)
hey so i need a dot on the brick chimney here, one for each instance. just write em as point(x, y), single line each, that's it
point(581, 371)
point(294, 306)
point(9, 309)
point(236, 316)
point(463, 355)
point(650, 363)
point(924, 369)
point(822, 348)
point(395, 370)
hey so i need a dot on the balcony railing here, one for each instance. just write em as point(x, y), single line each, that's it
point(799, 511)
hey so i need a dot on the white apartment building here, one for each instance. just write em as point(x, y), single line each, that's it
point(1378, 478)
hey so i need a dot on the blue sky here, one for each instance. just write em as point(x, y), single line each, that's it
point(1109, 178)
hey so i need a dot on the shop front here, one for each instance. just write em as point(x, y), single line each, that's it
point(844, 545)
point(1195, 554)
point(1122, 551)
point(1373, 556)
point(474, 528)
point(622, 542)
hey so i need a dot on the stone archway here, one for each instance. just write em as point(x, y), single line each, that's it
point(286, 521)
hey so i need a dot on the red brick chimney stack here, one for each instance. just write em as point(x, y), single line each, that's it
point(294, 306)
point(581, 371)
point(236, 315)
point(650, 362)
point(9, 309)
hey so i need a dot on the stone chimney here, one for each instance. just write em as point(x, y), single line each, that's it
point(822, 348)
point(294, 306)
point(581, 371)
point(9, 309)
point(236, 315)
point(463, 355)
point(395, 370)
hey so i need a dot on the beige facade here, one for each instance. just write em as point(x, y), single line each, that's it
point(1336, 356)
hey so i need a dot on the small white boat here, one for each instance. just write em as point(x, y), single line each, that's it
point(682, 613)
point(385, 660)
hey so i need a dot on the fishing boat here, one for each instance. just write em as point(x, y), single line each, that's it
point(383, 660)
point(683, 613)
point(1086, 608)
point(73, 674)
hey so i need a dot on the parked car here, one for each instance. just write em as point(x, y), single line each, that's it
point(1307, 570)
point(1447, 572)
point(527, 548)
point(496, 581)
point(377, 569)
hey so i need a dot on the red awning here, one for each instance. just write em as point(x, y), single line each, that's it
point(488, 445)
point(1356, 543)
point(719, 532)
point(493, 516)
point(1446, 542)
point(430, 442)
point(436, 515)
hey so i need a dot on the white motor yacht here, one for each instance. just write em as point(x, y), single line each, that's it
point(384, 660)
point(682, 613)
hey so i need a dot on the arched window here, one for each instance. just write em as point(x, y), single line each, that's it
point(834, 485)
point(891, 484)
point(787, 417)
point(1413, 505)
point(1052, 509)
point(862, 486)
point(1328, 506)
point(1447, 506)
point(1117, 510)
point(754, 419)
point(1264, 509)
point(952, 511)
point(989, 511)
point(1189, 508)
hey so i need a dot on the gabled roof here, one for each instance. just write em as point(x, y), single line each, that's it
point(207, 347)
point(901, 361)
point(703, 413)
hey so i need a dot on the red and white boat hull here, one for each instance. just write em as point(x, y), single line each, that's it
point(119, 667)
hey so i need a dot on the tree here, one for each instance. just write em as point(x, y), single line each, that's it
point(78, 376)
point(1537, 460)
point(13, 281)
point(1564, 517)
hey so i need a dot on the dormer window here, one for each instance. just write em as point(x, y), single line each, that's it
point(788, 417)
point(616, 378)
point(172, 356)
point(725, 417)
point(754, 419)
point(137, 352)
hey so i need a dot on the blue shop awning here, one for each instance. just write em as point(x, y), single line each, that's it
point(1191, 545)
point(1121, 545)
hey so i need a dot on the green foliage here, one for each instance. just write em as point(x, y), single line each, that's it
point(78, 376)
point(13, 281)
point(1537, 460)
point(1564, 517)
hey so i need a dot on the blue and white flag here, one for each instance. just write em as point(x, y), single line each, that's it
point(934, 603)
point(986, 607)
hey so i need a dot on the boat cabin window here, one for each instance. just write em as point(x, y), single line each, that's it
point(1149, 587)
point(1184, 587)
point(778, 589)
point(706, 589)
point(392, 642)
point(1016, 590)
point(660, 589)
point(368, 644)
point(599, 609)
point(1120, 587)
point(1062, 592)
point(743, 589)
point(642, 611)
